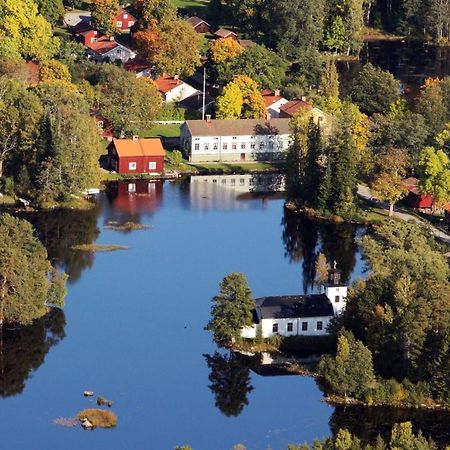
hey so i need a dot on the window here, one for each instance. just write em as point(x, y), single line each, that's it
point(93, 39)
point(243, 146)
point(275, 328)
point(197, 139)
point(196, 146)
point(233, 181)
point(319, 325)
point(252, 145)
point(130, 23)
point(132, 166)
point(290, 326)
point(225, 146)
point(215, 146)
point(242, 181)
point(261, 145)
point(234, 146)
point(216, 138)
point(214, 181)
point(223, 181)
point(337, 299)
point(304, 326)
point(119, 23)
point(100, 123)
point(131, 187)
point(206, 147)
point(125, 16)
point(234, 137)
point(152, 165)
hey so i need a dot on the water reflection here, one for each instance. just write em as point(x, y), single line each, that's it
point(23, 350)
point(230, 381)
point(59, 230)
point(368, 423)
point(410, 62)
point(304, 238)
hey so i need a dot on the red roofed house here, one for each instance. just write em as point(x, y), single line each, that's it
point(139, 66)
point(224, 33)
point(273, 102)
point(173, 89)
point(199, 25)
point(136, 155)
point(292, 107)
point(415, 199)
point(125, 20)
point(105, 48)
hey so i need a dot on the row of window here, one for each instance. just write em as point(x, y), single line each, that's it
point(232, 181)
point(133, 165)
point(215, 146)
point(130, 23)
point(290, 326)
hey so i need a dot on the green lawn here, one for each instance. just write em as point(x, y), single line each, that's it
point(162, 130)
point(196, 5)
point(237, 166)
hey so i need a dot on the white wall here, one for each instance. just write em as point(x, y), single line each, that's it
point(267, 326)
point(274, 108)
point(337, 296)
point(179, 93)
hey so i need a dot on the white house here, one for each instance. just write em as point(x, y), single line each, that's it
point(105, 48)
point(235, 139)
point(273, 101)
point(298, 315)
point(173, 89)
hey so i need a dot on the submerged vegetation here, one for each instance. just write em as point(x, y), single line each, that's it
point(98, 417)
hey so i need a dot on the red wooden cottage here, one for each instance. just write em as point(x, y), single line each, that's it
point(415, 198)
point(125, 20)
point(136, 155)
point(199, 25)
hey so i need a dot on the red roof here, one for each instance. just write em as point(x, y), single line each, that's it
point(136, 65)
point(270, 97)
point(102, 45)
point(139, 147)
point(166, 83)
point(293, 106)
point(196, 21)
point(224, 33)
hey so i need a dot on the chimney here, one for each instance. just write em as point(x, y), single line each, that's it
point(268, 116)
point(177, 79)
point(303, 98)
point(135, 138)
point(208, 118)
point(276, 92)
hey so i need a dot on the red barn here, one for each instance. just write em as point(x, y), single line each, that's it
point(125, 20)
point(415, 198)
point(136, 155)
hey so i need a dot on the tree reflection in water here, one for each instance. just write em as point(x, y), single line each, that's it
point(230, 382)
point(304, 238)
point(23, 350)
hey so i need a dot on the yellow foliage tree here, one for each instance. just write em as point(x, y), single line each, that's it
point(54, 71)
point(229, 104)
point(253, 106)
point(224, 49)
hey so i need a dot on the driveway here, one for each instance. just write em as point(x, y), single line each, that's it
point(364, 192)
point(72, 18)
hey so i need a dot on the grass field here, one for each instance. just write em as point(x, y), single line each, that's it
point(232, 167)
point(191, 4)
point(162, 130)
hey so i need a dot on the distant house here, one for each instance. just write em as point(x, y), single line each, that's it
point(292, 107)
point(105, 48)
point(294, 315)
point(415, 198)
point(224, 33)
point(273, 101)
point(235, 140)
point(84, 33)
point(139, 66)
point(136, 155)
point(104, 126)
point(199, 25)
point(173, 89)
point(246, 43)
point(125, 20)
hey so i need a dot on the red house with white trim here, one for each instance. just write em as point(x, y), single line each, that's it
point(136, 155)
point(125, 20)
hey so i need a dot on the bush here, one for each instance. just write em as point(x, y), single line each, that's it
point(99, 417)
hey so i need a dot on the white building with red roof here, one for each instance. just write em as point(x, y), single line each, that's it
point(173, 89)
point(104, 48)
point(273, 101)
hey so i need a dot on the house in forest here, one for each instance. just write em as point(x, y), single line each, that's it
point(125, 21)
point(273, 101)
point(223, 33)
point(139, 66)
point(298, 315)
point(235, 139)
point(173, 89)
point(104, 49)
point(136, 155)
point(199, 25)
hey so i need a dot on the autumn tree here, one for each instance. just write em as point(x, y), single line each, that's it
point(104, 13)
point(322, 268)
point(222, 50)
point(24, 33)
point(388, 184)
point(54, 70)
point(27, 279)
point(335, 36)
point(52, 10)
point(130, 103)
point(231, 310)
point(155, 10)
point(229, 104)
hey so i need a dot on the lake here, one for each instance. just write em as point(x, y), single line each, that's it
point(133, 327)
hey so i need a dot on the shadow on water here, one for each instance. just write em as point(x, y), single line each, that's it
point(59, 230)
point(230, 381)
point(23, 350)
point(304, 238)
point(368, 423)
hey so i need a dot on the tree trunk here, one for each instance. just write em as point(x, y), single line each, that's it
point(391, 209)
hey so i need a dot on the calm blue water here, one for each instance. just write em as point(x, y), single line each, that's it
point(134, 323)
